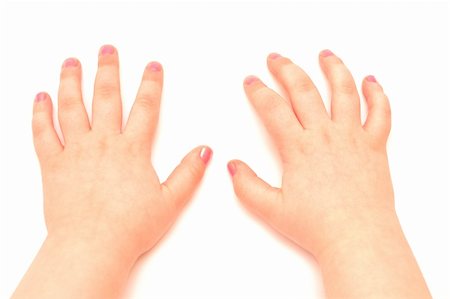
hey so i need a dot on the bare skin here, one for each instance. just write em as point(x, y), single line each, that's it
point(336, 199)
point(104, 204)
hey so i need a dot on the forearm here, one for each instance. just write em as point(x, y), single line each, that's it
point(372, 261)
point(80, 269)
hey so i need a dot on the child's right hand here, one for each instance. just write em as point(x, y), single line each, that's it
point(104, 203)
point(336, 198)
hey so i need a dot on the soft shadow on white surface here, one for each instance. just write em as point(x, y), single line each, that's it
point(216, 250)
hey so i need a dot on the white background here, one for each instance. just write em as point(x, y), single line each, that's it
point(216, 249)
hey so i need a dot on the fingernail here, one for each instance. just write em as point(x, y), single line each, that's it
point(205, 154)
point(326, 53)
point(250, 79)
point(40, 97)
point(274, 55)
point(371, 78)
point(107, 49)
point(69, 62)
point(154, 66)
point(231, 168)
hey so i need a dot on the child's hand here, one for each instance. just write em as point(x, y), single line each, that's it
point(336, 198)
point(335, 170)
point(101, 183)
point(100, 188)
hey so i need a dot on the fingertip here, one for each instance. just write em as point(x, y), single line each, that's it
point(236, 167)
point(107, 55)
point(250, 80)
point(371, 84)
point(326, 53)
point(106, 50)
point(41, 97)
point(70, 62)
point(186, 177)
point(206, 154)
point(276, 61)
point(252, 83)
point(328, 58)
point(153, 71)
point(371, 78)
point(232, 168)
point(71, 67)
point(199, 157)
point(273, 56)
point(154, 67)
point(41, 102)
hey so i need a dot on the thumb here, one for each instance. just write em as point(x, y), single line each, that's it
point(253, 192)
point(182, 182)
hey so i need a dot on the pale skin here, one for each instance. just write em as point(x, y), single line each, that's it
point(336, 199)
point(105, 206)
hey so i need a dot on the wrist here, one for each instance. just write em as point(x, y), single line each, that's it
point(94, 239)
point(371, 259)
point(102, 248)
point(368, 228)
point(68, 267)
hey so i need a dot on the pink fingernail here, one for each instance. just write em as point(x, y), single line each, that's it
point(274, 55)
point(205, 154)
point(42, 96)
point(250, 80)
point(154, 66)
point(326, 53)
point(371, 78)
point(70, 62)
point(107, 49)
point(231, 168)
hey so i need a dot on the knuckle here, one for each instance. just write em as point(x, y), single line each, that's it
point(147, 102)
point(386, 107)
point(75, 147)
point(194, 170)
point(296, 79)
point(104, 144)
point(266, 100)
point(302, 85)
point(68, 102)
point(342, 80)
point(136, 147)
point(333, 61)
point(168, 192)
point(386, 112)
point(273, 105)
point(38, 124)
point(380, 105)
point(378, 142)
point(106, 89)
point(345, 86)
